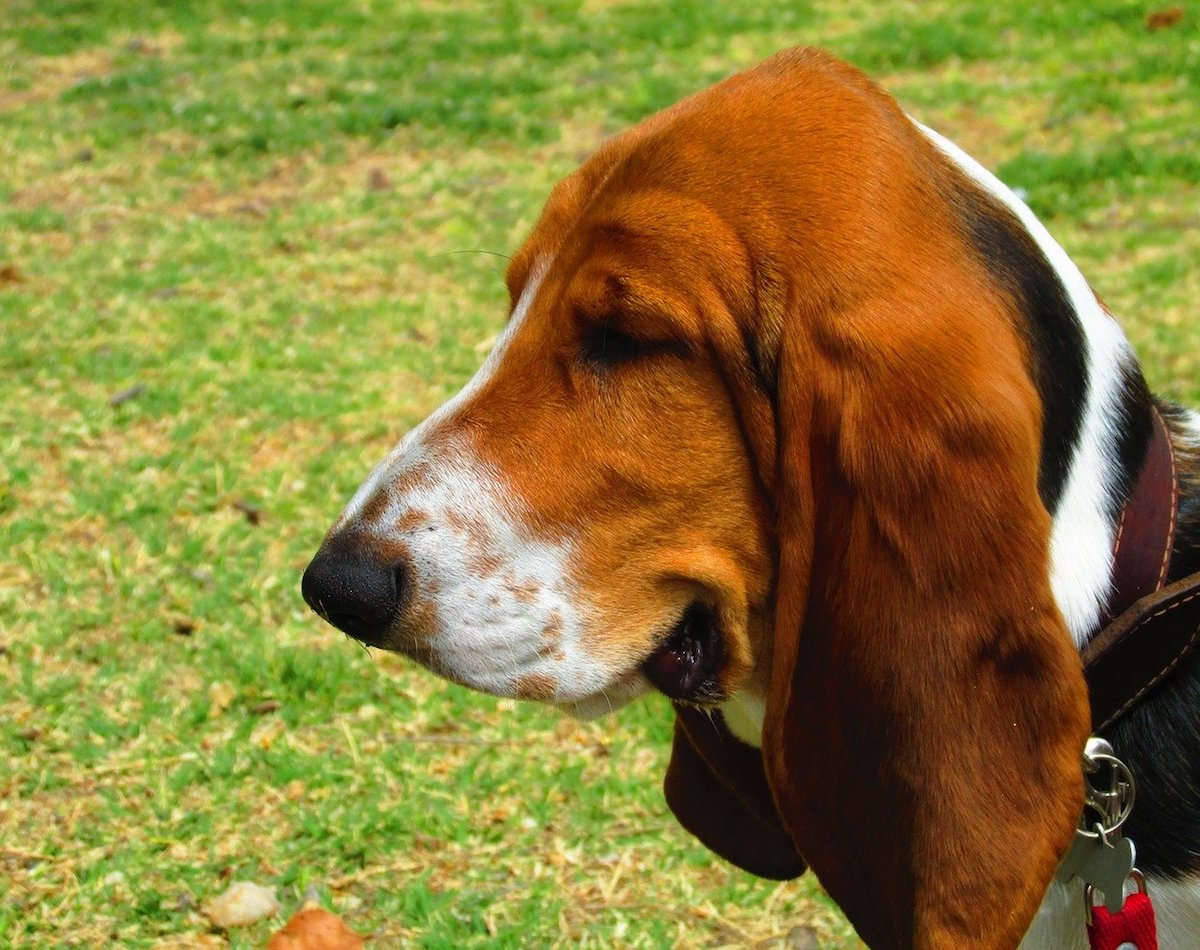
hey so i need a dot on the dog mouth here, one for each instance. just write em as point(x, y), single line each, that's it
point(685, 665)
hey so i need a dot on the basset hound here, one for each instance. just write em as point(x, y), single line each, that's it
point(803, 419)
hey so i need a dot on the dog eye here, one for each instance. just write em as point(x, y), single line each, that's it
point(606, 346)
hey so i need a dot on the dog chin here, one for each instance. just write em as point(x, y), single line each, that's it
point(617, 696)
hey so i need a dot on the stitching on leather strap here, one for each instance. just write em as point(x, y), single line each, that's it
point(1106, 611)
point(1162, 571)
point(1174, 662)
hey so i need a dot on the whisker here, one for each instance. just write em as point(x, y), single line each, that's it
point(475, 250)
point(471, 250)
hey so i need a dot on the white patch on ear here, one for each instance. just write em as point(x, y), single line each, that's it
point(1082, 539)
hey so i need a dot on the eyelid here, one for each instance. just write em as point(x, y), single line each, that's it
point(606, 343)
point(610, 343)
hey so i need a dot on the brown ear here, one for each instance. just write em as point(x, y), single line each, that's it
point(927, 709)
point(716, 787)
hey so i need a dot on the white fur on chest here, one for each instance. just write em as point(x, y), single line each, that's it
point(744, 713)
point(1059, 924)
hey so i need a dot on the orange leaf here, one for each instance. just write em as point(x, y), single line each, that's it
point(314, 928)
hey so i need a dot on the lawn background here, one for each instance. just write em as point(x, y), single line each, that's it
point(243, 248)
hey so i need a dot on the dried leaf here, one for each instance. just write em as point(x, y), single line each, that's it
point(314, 928)
point(1162, 19)
point(220, 696)
point(266, 732)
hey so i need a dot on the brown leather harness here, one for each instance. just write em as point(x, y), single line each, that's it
point(1154, 627)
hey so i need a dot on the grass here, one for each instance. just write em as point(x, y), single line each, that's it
point(270, 227)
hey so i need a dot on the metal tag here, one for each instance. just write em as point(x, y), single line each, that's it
point(1103, 864)
point(1100, 855)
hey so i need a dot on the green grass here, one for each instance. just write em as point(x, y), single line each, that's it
point(279, 219)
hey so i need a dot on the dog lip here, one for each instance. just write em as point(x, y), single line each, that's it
point(352, 626)
point(685, 665)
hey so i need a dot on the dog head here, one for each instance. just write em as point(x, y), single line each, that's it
point(760, 421)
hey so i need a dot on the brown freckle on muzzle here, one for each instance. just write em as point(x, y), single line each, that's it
point(420, 622)
point(474, 527)
point(535, 686)
point(375, 508)
point(484, 563)
point(410, 479)
point(411, 520)
point(524, 593)
point(384, 550)
point(552, 632)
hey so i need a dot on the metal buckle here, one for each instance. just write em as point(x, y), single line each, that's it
point(1109, 790)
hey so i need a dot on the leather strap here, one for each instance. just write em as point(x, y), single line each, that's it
point(1146, 532)
point(1139, 649)
point(1154, 628)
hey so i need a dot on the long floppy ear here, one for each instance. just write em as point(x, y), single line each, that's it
point(716, 787)
point(927, 708)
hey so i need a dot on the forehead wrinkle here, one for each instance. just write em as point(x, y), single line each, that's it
point(628, 302)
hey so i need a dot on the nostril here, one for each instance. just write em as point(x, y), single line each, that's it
point(353, 590)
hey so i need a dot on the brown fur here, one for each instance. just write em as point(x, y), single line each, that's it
point(839, 451)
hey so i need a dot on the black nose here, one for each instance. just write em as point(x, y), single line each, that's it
point(354, 590)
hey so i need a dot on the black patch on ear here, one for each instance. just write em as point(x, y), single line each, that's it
point(1049, 324)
